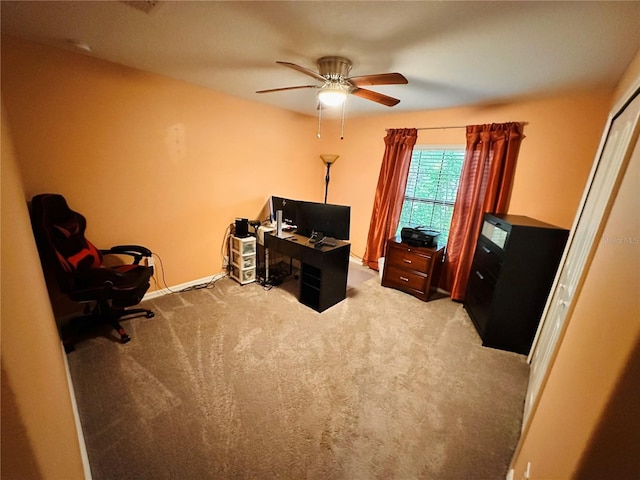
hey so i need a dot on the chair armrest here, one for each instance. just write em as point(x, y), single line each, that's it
point(136, 251)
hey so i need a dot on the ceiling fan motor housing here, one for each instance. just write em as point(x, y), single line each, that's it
point(334, 68)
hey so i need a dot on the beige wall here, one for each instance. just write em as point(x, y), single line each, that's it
point(150, 160)
point(39, 438)
point(555, 158)
point(155, 161)
point(587, 421)
point(163, 163)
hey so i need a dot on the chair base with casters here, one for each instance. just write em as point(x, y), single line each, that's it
point(80, 272)
point(101, 313)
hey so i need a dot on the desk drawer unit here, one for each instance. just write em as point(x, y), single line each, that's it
point(414, 270)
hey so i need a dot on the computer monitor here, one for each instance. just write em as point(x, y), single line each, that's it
point(332, 220)
point(288, 207)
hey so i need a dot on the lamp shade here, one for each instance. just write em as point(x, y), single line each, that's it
point(329, 158)
point(332, 94)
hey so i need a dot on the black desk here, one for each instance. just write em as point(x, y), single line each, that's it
point(323, 270)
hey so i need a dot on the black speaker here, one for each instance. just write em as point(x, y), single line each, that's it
point(242, 227)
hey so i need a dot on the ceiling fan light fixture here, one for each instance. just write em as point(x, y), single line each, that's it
point(333, 94)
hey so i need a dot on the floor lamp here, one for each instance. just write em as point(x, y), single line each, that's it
point(328, 159)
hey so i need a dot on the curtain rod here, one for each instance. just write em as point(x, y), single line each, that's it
point(429, 128)
point(441, 128)
point(448, 127)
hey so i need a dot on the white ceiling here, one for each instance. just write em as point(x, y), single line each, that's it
point(453, 53)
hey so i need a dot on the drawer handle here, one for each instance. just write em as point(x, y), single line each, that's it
point(404, 279)
point(486, 250)
point(480, 276)
point(406, 260)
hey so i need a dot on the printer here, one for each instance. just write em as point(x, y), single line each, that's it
point(419, 237)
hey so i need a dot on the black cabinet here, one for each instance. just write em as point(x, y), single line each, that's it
point(514, 265)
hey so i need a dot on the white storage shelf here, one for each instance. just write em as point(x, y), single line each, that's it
point(243, 259)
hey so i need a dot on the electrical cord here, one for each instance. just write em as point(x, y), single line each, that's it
point(210, 284)
point(265, 284)
point(224, 248)
point(166, 287)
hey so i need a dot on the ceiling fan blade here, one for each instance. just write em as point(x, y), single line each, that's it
point(306, 71)
point(378, 79)
point(375, 97)
point(285, 88)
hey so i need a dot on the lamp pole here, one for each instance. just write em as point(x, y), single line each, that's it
point(328, 159)
point(326, 183)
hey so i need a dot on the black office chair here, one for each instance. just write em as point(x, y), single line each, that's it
point(77, 266)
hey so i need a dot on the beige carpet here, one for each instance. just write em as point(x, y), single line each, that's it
point(237, 382)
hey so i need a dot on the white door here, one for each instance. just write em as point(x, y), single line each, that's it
point(615, 149)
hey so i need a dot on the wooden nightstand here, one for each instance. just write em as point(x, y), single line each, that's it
point(415, 270)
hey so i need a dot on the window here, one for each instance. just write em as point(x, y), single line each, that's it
point(432, 186)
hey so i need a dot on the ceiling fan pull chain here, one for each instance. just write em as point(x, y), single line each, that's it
point(342, 126)
point(319, 118)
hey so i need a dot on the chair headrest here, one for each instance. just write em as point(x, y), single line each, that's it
point(60, 234)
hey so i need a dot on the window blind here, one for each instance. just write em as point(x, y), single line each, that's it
point(432, 186)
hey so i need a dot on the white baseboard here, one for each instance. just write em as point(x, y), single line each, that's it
point(76, 416)
point(356, 260)
point(199, 281)
point(182, 286)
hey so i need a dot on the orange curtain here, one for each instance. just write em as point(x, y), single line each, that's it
point(392, 182)
point(485, 187)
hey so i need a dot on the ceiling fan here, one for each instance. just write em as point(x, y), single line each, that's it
point(336, 84)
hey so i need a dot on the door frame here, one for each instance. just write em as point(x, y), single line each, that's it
point(550, 349)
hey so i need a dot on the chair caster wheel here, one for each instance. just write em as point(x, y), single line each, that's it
point(125, 338)
point(150, 315)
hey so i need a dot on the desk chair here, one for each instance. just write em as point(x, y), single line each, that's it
point(79, 272)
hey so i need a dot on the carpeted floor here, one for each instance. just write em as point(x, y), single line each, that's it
point(239, 382)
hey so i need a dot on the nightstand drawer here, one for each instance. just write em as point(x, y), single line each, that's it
point(414, 270)
point(408, 257)
point(404, 279)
